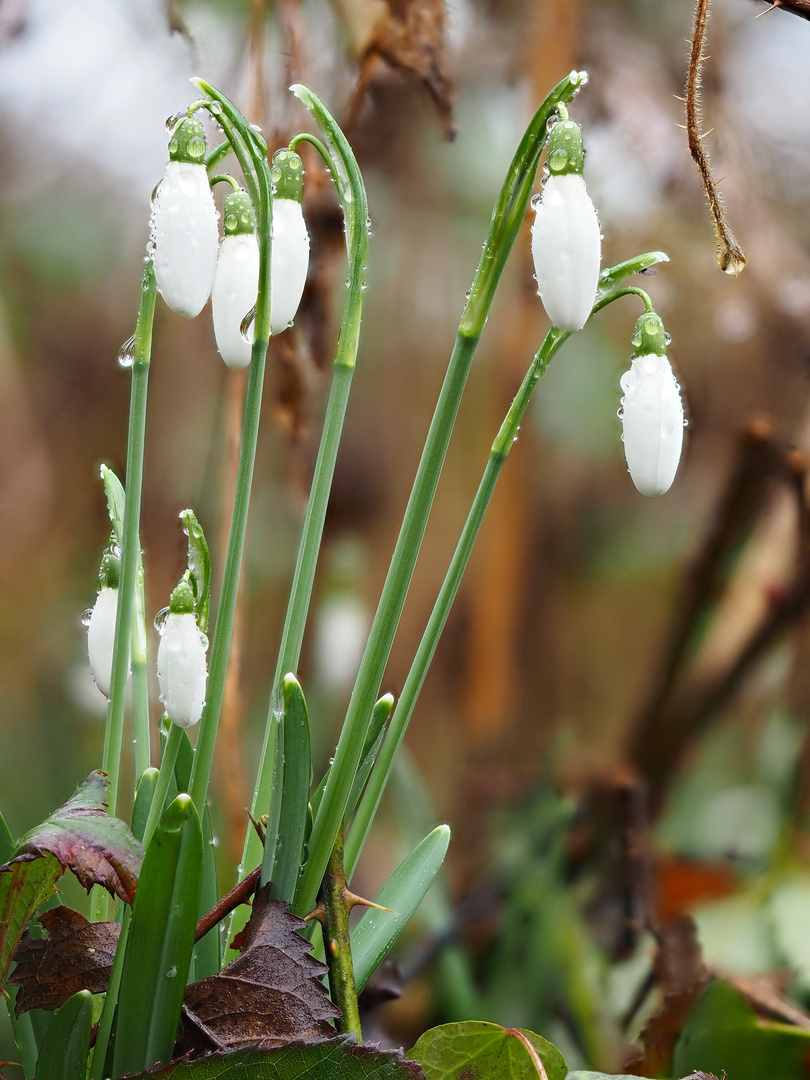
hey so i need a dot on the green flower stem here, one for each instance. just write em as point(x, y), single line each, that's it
point(130, 549)
point(507, 218)
point(335, 903)
point(253, 161)
point(424, 655)
point(97, 1071)
point(25, 1040)
point(351, 192)
point(165, 777)
point(140, 682)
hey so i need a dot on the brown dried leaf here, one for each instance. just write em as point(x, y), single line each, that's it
point(681, 976)
point(270, 994)
point(77, 955)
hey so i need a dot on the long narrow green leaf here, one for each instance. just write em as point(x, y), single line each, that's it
point(143, 801)
point(377, 931)
point(161, 938)
point(286, 860)
point(7, 844)
point(64, 1050)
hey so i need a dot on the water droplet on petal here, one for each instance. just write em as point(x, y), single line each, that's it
point(87, 615)
point(160, 621)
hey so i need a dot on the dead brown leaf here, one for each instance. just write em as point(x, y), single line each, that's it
point(77, 955)
point(270, 994)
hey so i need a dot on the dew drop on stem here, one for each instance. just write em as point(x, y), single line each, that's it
point(246, 325)
point(126, 354)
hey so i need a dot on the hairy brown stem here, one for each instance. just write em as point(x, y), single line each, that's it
point(730, 256)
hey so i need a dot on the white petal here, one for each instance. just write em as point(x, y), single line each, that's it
point(236, 284)
point(567, 251)
point(100, 636)
point(185, 234)
point(182, 673)
point(652, 416)
point(289, 263)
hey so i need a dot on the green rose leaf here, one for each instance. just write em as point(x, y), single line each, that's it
point(474, 1050)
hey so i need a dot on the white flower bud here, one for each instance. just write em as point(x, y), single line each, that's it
point(652, 417)
point(567, 250)
point(289, 262)
point(184, 224)
point(100, 638)
point(182, 672)
point(236, 284)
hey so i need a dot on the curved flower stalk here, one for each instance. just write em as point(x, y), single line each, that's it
point(652, 411)
point(566, 242)
point(181, 669)
point(100, 622)
point(184, 223)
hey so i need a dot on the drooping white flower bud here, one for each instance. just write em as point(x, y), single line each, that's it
point(181, 667)
point(100, 623)
point(236, 281)
point(566, 242)
point(184, 224)
point(652, 412)
point(290, 259)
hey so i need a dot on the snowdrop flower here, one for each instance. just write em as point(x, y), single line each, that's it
point(182, 673)
point(184, 223)
point(290, 259)
point(652, 412)
point(236, 281)
point(100, 623)
point(566, 242)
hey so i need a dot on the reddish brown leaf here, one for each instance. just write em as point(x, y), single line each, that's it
point(270, 994)
point(77, 955)
point(81, 835)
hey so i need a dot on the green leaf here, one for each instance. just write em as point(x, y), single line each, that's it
point(63, 1054)
point(331, 1059)
point(114, 491)
point(143, 800)
point(723, 1033)
point(81, 835)
point(379, 716)
point(585, 1075)
point(6, 841)
point(377, 931)
point(199, 564)
point(297, 774)
point(160, 941)
point(23, 888)
point(474, 1049)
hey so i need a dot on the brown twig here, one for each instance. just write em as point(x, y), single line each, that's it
point(239, 894)
point(795, 7)
point(730, 256)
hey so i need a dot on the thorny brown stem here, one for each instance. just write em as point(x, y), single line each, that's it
point(239, 894)
point(730, 256)
point(795, 7)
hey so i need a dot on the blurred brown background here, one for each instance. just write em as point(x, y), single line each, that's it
point(556, 639)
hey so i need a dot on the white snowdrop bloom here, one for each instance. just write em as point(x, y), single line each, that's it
point(290, 259)
point(181, 666)
point(652, 411)
point(236, 281)
point(184, 224)
point(100, 637)
point(566, 241)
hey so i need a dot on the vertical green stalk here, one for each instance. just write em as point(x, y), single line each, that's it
point(352, 195)
point(335, 903)
point(130, 549)
point(252, 156)
point(164, 779)
point(505, 223)
point(424, 655)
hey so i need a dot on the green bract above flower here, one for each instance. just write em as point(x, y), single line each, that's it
point(566, 242)
point(652, 412)
point(184, 224)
